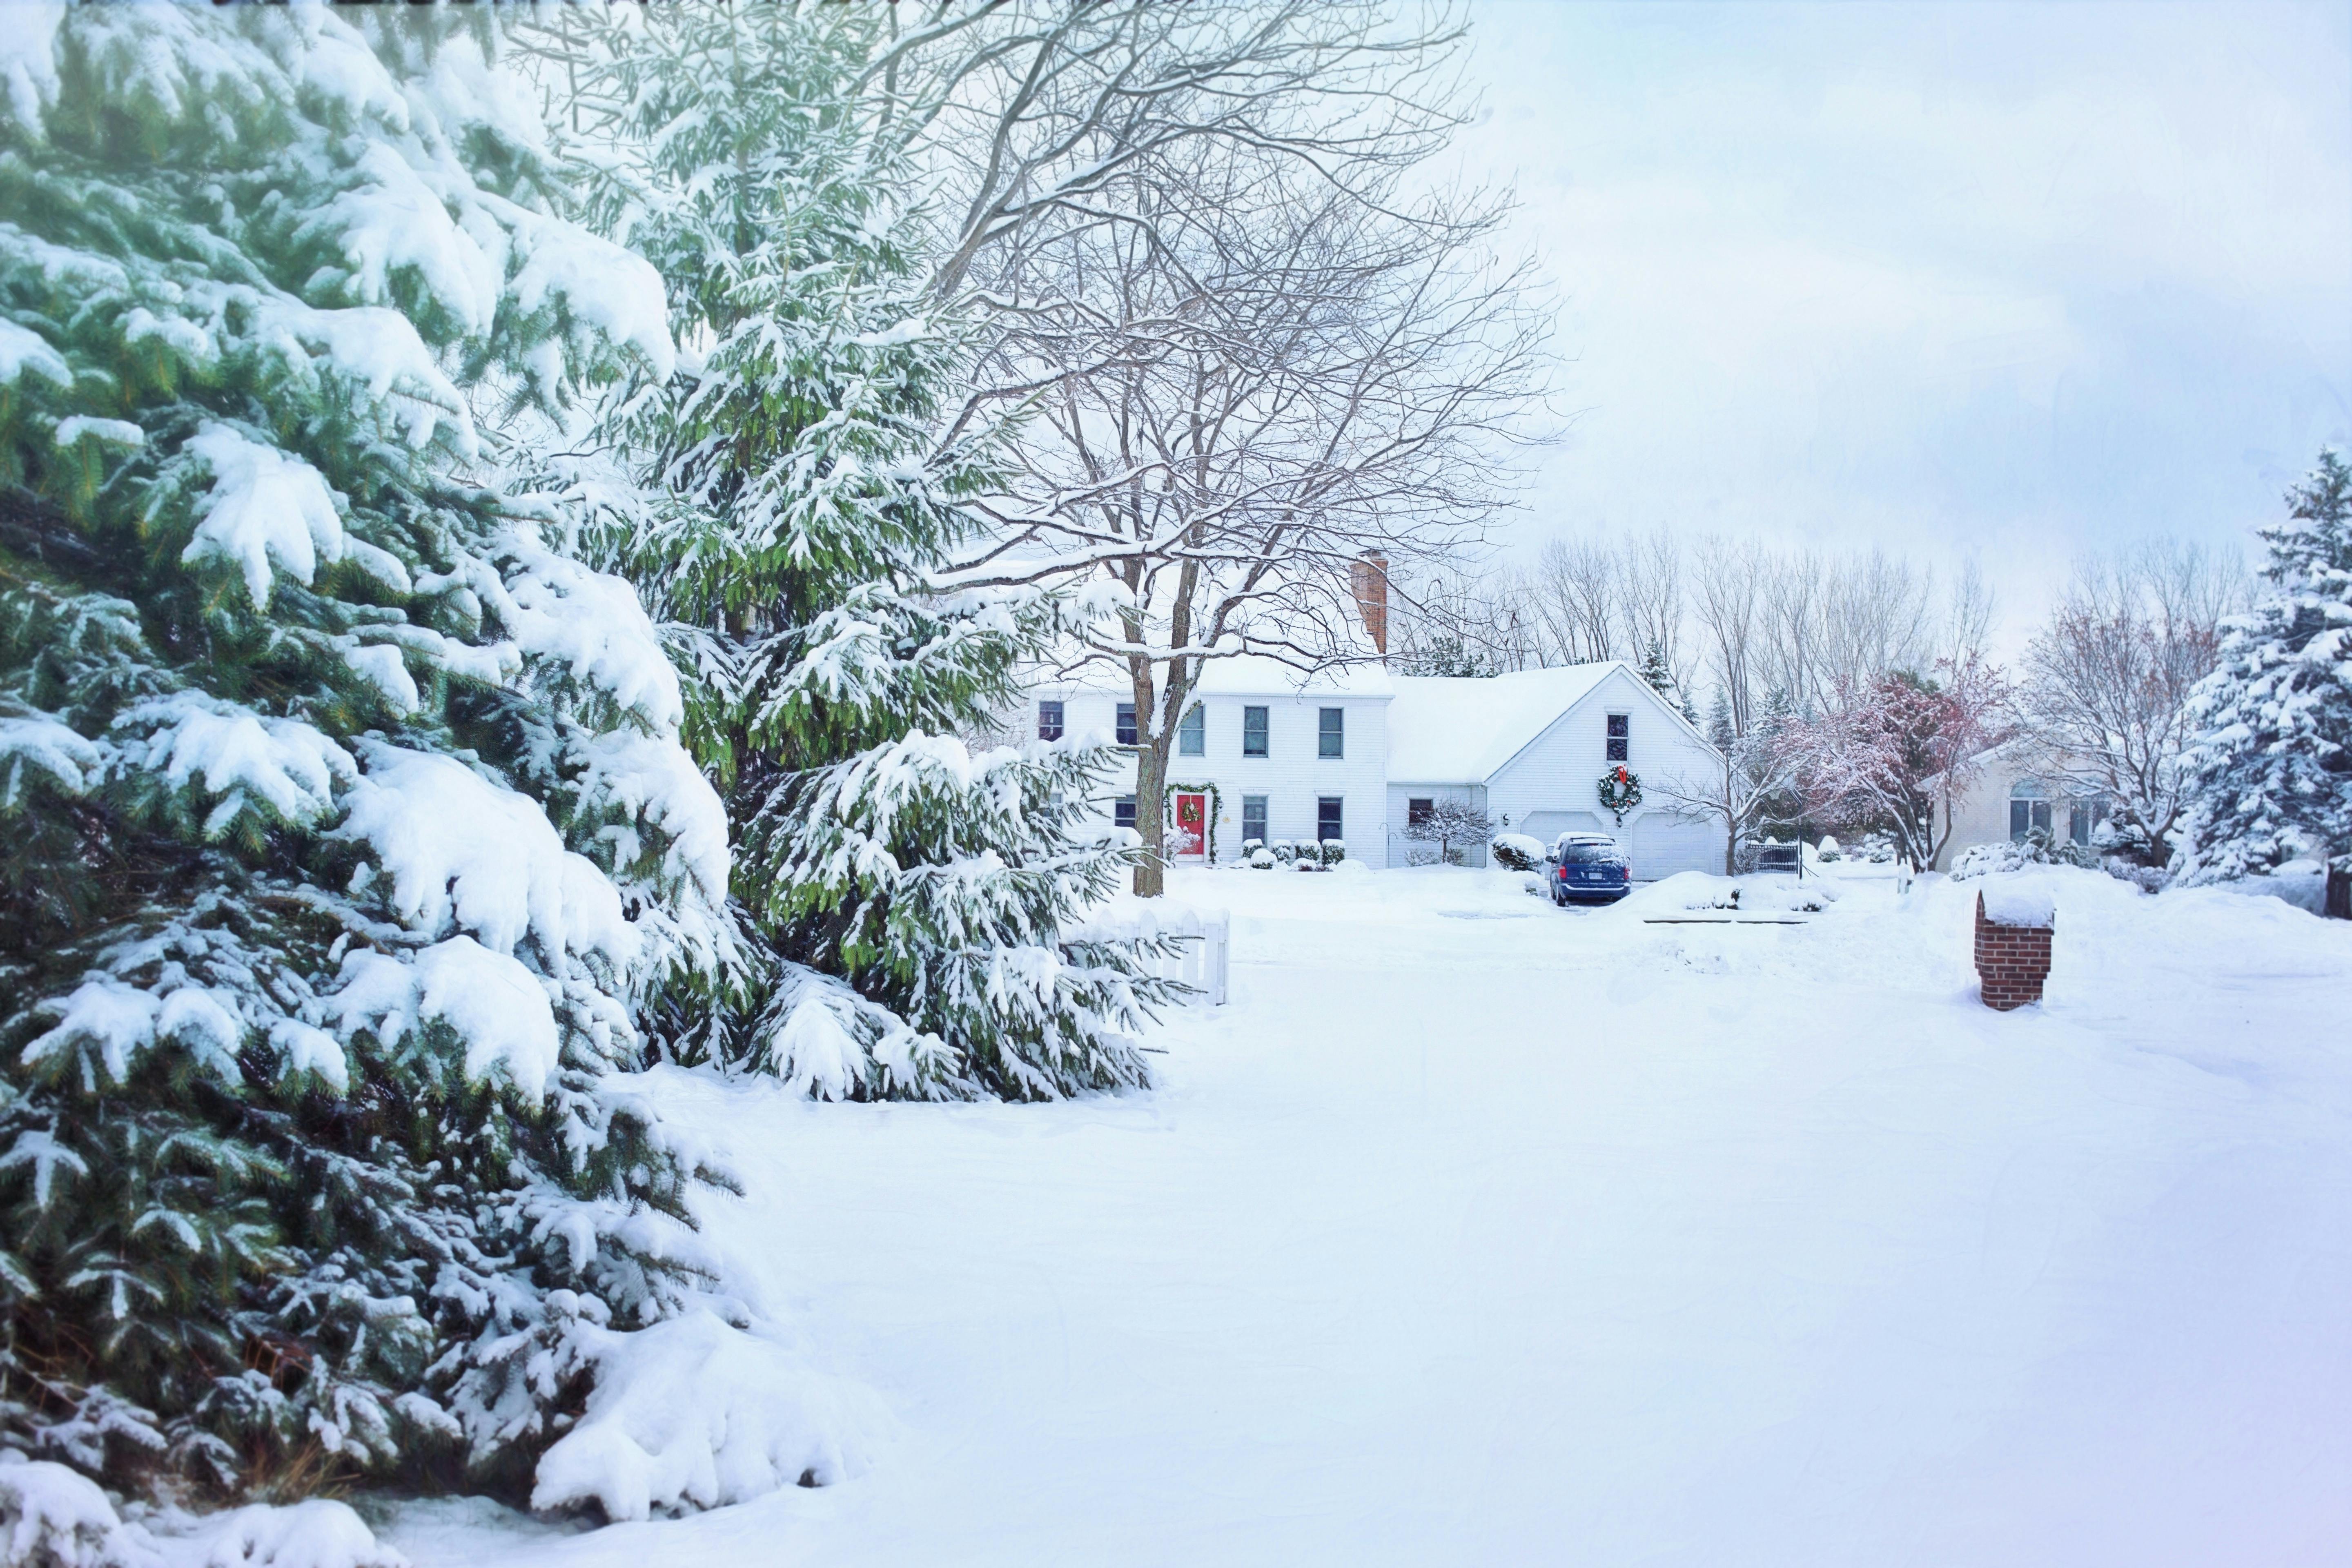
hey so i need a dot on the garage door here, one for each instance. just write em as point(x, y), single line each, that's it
point(1549, 825)
point(1661, 845)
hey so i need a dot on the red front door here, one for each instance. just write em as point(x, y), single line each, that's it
point(1192, 827)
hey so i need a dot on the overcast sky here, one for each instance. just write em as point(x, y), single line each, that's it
point(2020, 279)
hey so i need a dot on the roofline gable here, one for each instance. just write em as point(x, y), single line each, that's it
point(1657, 700)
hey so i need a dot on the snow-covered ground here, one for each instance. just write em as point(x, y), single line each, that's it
point(1475, 1231)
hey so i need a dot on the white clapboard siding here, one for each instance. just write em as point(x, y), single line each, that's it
point(1294, 777)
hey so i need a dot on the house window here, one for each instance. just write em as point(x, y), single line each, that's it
point(1332, 733)
point(1049, 720)
point(1328, 822)
point(1620, 730)
point(1253, 732)
point(1127, 723)
point(1192, 735)
point(1418, 809)
point(2029, 809)
point(2083, 817)
point(1122, 812)
point(1253, 817)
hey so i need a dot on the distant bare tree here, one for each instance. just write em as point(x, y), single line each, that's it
point(1576, 596)
point(1651, 600)
point(1725, 601)
point(2107, 680)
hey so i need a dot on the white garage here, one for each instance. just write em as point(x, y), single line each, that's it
point(1549, 825)
point(1537, 744)
point(1663, 844)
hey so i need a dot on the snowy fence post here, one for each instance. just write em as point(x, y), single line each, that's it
point(2013, 936)
point(1202, 949)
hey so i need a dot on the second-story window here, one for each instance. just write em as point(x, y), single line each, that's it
point(1049, 720)
point(1127, 723)
point(1192, 735)
point(1253, 732)
point(1620, 735)
point(1332, 733)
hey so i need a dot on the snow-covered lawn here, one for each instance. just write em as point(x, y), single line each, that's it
point(1473, 1231)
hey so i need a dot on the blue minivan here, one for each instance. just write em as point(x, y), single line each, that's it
point(1589, 866)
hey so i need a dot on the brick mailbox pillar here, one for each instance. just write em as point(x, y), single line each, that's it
point(2014, 950)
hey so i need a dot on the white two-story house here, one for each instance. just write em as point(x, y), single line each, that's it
point(1358, 755)
point(1264, 753)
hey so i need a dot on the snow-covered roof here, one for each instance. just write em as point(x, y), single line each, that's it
point(1242, 675)
point(1460, 729)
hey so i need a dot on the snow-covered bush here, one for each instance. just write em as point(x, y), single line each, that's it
point(1251, 846)
point(1828, 850)
point(1284, 851)
point(345, 821)
point(1260, 859)
point(786, 507)
point(1334, 851)
point(2036, 848)
point(1452, 826)
point(1517, 851)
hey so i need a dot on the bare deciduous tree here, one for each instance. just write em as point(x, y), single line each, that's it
point(1752, 772)
point(2107, 680)
point(1264, 382)
point(1725, 600)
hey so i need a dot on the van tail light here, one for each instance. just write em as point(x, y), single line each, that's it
point(1629, 873)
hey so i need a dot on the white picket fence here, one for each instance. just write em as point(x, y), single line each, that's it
point(1202, 951)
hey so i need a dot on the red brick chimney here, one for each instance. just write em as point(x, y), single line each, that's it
point(1369, 576)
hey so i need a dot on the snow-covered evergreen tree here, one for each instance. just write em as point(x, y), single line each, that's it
point(343, 817)
point(790, 494)
point(2274, 767)
point(1659, 674)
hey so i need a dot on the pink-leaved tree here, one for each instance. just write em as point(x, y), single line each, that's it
point(1900, 747)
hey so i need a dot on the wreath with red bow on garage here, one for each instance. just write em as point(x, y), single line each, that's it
point(1621, 791)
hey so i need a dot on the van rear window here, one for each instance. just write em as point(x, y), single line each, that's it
point(1590, 854)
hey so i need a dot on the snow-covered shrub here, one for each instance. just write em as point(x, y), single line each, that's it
point(1454, 826)
point(1334, 851)
point(1260, 859)
point(784, 512)
point(2036, 848)
point(1284, 851)
point(1828, 849)
point(51, 1517)
point(344, 824)
point(1517, 851)
point(694, 1413)
point(1251, 846)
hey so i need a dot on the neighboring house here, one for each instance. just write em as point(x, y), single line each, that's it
point(2020, 789)
point(1353, 754)
point(1276, 755)
point(1530, 748)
